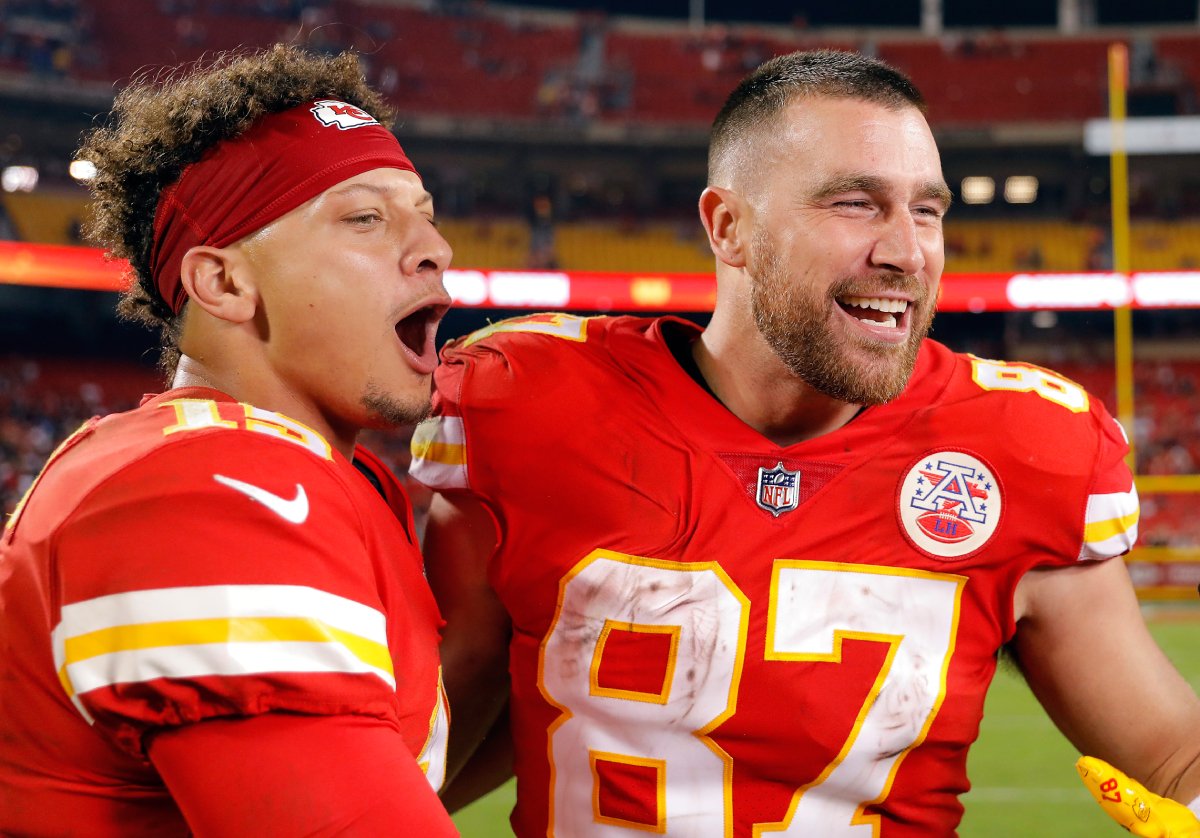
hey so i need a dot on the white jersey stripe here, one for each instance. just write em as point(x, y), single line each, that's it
point(222, 601)
point(439, 458)
point(433, 755)
point(1109, 506)
point(216, 630)
point(1110, 524)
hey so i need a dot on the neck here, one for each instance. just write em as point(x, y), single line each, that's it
point(246, 383)
point(757, 387)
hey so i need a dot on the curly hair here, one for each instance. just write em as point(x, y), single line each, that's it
point(163, 122)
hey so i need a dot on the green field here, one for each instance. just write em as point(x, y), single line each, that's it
point(1022, 770)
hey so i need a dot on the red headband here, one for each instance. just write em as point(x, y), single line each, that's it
point(244, 183)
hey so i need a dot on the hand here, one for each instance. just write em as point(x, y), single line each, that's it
point(1127, 801)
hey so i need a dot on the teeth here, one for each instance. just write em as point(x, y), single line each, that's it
point(876, 303)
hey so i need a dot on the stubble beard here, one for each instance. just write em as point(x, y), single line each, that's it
point(385, 410)
point(797, 323)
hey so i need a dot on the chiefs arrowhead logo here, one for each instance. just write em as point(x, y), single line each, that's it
point(332, 112)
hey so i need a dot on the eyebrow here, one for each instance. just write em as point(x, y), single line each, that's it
point(383, 191)
point(930, 190)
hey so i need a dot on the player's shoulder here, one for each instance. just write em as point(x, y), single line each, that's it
point(501, 390)
point(1018, 385)
point(532, 353)
point(1023, 407)
point(543, 334)
point(193, 429)
point(174, 443)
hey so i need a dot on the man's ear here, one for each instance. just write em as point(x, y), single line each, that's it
point(723, 214)
point(215, 281)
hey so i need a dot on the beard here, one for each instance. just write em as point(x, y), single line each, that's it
point(797, 322)
point(385, 410)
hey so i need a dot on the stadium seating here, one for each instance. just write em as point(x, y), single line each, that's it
point(995, 78)
point(46, 217)
point(476, 62)
point(678, 245)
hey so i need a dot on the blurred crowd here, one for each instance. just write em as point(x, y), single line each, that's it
point(47, 38)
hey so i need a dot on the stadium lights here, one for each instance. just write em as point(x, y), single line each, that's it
point(82, 170)
point(1020, 189)
point(978, 190)
point(19, 179)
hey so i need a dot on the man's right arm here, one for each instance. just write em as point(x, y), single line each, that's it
point(288, 774)
point(460, 538)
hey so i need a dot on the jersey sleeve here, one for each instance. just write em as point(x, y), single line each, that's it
point(1111, 518)
point(439, 444)
point(307, 771)
point(225, 575)
point(487, 386)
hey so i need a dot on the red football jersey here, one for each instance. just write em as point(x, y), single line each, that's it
point(199, 558)
point(714, 635)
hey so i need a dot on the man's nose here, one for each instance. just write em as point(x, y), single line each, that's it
point(426, 250)
point(898, 247)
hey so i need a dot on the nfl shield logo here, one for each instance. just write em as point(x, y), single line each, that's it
point(778, 489)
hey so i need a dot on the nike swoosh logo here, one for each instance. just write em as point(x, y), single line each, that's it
point(294, 511)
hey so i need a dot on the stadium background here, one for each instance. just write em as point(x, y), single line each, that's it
point(564, 145)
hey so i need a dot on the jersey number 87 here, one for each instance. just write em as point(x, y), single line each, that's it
point(660, 734)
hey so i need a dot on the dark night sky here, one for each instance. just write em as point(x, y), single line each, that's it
point(904, 13)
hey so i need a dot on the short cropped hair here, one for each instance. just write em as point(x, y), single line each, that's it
point(160, 124)
point(762, 95)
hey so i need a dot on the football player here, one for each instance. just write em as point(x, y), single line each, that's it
point(213, 616)
point(753, 579)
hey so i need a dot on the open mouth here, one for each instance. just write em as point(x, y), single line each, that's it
point(878, 313)
point(416, 332)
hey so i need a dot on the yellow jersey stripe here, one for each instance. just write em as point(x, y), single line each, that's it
point(1104, 530)
point(445, 453)
point(216, 630)
point(227, 660)
point(231, 630)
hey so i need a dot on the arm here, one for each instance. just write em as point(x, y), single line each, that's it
point(488, 768)
point(459, 540)
point(303, 775)
point(1086, 654)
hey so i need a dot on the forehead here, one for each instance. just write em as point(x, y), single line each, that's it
point(387, 181)
point(819, 137)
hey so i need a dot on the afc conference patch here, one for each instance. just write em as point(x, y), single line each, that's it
point(950, 504)
point(778, 490)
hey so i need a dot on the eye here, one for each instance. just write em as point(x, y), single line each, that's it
point(363, 219)
point(854, 206)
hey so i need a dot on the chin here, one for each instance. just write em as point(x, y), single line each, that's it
point(393, 410)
